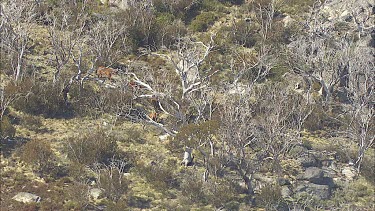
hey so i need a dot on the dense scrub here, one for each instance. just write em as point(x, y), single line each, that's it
point(207, 105)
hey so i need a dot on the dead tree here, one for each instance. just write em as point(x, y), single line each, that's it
point(361, 94)
point(17, 19)
point(64, 33)
point(187, 61)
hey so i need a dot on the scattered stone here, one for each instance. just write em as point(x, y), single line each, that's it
point(349, 172)
point(26, 197)
point(308, 160)
point(322, 192)
point(285, 192)
point(314, 175)
point(164, 137)
point(287, 20)
point(283, 181)
point(95, 193)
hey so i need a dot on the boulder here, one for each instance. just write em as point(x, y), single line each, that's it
point(349, 172)
point(321, 192)
point(314, 175)
point(25, 197)
point(308, 160)
point(285, 192)
point(96, 193)
point(164, 137)
point(283, 181)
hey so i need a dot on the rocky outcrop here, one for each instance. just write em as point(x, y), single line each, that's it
point(96, 193)
point(349, 172)
point(25, 197)
point(308, 160)
point(321, 192)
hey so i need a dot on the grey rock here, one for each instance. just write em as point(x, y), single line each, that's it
point(349, 172)
point(285, 192)
point(164, 137)
point(308, 160)
point(313, 174)
point(25, 197)
point(283, 181)
point(96, 193)
point(321, 192)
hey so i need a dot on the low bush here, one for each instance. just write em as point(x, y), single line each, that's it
point(44, 99)
point(270, 198)
point(161, 177)
point(92, 147)
point(219, 192)
point(203, 21)
point(111, 179)
point(31, 122)
point(359, 193)
point(39, 154)
point(6, 128)
point(192, 187)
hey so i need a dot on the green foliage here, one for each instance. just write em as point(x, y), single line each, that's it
point(167, 29)
point(193, 134)
point(45, 98)
point(111, 179)
point(358, 193)
point(203, 21)
point(296, 7)
point(192, 187)
point(220, 192)
point(160, 176)
point(242, 33)
point(31, 122)
point(270, 197)
point(120, 205)
point(6, 128)
point(92, 147)
point(39, 154)
point(88, 101)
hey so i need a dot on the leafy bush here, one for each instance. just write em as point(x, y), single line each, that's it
point(161, 177)
point(358, 192)
point(112, 180)
point(44, 99)
point(32, 122)
point(192, 187)
point(6, 128)
point(90, 102)
point(203, 21)
point(219, 192)
point(90, 148)
point(270, 197)
point(242, 33)
point(39, 154)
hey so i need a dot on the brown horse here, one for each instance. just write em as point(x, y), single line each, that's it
point(105, 72)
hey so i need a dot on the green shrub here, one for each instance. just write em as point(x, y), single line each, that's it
point(270, 197)
point(219, 192)
point(192, 187)
point(39, 154)
point(6, 128)
point(44, 99)
point(161, 177)
point(359, 193)
point(31, 122)
point(90, 148)
point(242, 33)
point(111, 179)
point(203, 21)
